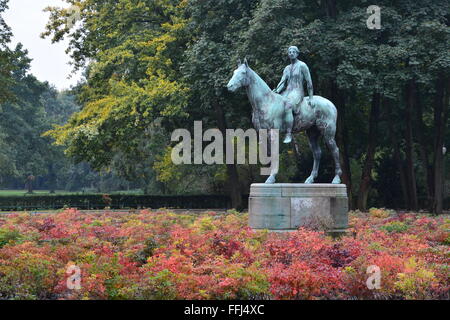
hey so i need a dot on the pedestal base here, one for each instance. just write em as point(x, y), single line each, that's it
point(288, 206)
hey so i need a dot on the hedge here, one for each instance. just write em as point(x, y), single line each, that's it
point(116, 201)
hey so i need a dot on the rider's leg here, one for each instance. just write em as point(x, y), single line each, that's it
point(288, 123)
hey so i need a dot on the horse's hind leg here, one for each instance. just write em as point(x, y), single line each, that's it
point(331, 144)
point(313, 137)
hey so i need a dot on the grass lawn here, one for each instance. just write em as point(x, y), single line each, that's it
point(9, 193)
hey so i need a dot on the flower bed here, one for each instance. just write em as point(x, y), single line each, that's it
point(160, 255)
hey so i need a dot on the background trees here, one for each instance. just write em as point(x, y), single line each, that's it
point(34, 107)
point(153, 66)
point(5, 56)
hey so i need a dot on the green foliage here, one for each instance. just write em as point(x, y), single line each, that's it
point(9, 235)
point(447, 241)
point(150, 246)
point(162, 285)
point(20, 123)
point(6, 58)
point(415, 280)
point(133, 81)
point(23, 151)
point(29, 278)
point(395, 227)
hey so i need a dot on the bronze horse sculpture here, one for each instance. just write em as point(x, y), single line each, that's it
point(270, 111)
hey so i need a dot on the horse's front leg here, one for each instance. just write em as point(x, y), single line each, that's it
point(313, 137)
point(271, 179)
point(273, 150)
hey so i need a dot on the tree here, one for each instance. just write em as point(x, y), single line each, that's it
point(217, 27)
point(22, 120)
point(364, 71)
point(167, 62)
point(6, 56)
point(136, 49)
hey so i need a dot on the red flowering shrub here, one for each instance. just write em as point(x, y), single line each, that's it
point(162, 255)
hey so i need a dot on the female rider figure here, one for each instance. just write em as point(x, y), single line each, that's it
point(291, 87)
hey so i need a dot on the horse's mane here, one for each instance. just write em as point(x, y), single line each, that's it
point(258, 81)
point(257, 90)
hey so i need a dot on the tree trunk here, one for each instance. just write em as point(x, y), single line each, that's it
point(341, 139)
point(29, 183)
point(51, 177)
point(410, 174)
point(366, 175)
point(331, 8)
point(398, 159)
point(440, 122)
point(232, 173)
point(338, 98)
point(424, 150)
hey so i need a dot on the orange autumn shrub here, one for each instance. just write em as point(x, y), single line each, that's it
point(156, 254)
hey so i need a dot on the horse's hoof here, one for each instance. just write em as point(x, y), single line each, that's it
point(270, 180)
point(336, 180)
point(309, 180)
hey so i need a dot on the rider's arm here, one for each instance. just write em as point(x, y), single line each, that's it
point(307, 77)
point(282, 85)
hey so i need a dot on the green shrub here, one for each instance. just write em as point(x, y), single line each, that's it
point(9, 235)
point(144, 254)
point(395, 227)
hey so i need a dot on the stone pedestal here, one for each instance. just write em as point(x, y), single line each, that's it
point(288, 206)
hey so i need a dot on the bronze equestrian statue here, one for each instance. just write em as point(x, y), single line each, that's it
point(285, 108)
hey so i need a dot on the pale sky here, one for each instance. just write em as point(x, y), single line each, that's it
point(50, 62)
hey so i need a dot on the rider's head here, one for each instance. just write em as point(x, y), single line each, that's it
point(293, 52)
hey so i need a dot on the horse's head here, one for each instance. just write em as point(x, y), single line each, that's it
point(239, 78)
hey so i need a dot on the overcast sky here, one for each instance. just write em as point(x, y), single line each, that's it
point(50, 62)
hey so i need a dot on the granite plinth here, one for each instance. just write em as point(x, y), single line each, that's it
point(288, 206)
